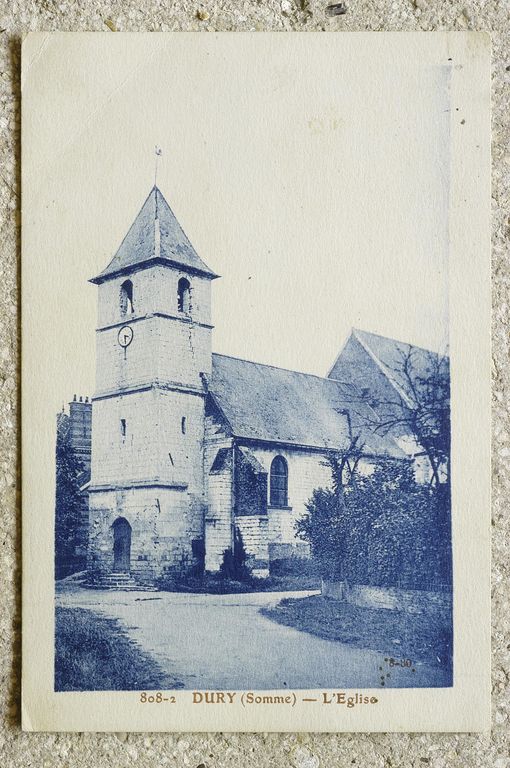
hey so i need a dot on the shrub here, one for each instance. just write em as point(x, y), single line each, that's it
point(382, 529)
point(234, 566)
point(300, 567)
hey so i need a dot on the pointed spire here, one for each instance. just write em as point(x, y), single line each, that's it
point(155, 237)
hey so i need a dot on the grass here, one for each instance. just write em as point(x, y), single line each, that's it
point(286, 574)
point(218, 585)
point(419, 637)
point(92, 653)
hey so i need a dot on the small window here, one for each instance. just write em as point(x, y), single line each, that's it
point(183, 425)
point(278, 490)
point(184, 296)
point(123, 428)
point(126, 298)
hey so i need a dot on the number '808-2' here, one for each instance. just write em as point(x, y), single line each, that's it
point(155, 698)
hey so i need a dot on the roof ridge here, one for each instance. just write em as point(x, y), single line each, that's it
point(165, 201)
point(280, 368)
point(337, 358)
point(295, 408)
point(180, 227)
point(357, 331)
point(384, 368)
point(132, 225)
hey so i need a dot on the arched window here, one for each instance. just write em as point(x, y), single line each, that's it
point(279, 481)
point(183, 296)
point(126, 297)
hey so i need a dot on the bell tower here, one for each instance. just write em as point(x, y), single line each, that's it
point(153, 345)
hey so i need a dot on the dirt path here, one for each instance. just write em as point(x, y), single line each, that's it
point(224, 642)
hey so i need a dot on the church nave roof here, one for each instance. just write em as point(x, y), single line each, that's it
point(272, 404)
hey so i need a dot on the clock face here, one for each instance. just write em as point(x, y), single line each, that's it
point(125, 336)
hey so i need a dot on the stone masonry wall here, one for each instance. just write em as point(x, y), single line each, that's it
point(167, 345)
point(154, 290)
point(218, 523)
point(163, 526)
point(142, 436)
point(162, 350)
point(218, 520)
point(147, 445)
point(307, 471)
point(390, 598)
point(254, 535)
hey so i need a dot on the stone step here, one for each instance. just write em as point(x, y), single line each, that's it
point(122, 587)
point(117, 577)
point(121, 581)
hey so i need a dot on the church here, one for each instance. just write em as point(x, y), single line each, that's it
point(193, 451)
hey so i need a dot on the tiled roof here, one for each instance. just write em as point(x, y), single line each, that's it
point(272, 404)
point(389, 355)
point(142, 245)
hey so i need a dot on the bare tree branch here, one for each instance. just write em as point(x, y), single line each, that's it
point(419, 406)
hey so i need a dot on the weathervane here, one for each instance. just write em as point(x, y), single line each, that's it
point(158, 152)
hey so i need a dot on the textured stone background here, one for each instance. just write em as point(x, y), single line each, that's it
point(205, 751)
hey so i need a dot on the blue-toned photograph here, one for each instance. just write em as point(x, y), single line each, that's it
point(229, 522)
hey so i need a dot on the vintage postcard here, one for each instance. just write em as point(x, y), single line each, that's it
point(256, 297)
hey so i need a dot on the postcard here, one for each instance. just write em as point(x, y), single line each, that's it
point(256, 431)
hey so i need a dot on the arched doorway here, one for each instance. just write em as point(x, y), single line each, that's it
point(121, 545)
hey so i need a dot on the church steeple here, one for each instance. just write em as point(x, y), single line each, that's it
point(155, 237)
point(153, 347)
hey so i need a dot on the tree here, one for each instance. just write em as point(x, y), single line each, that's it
point(326, 524)
point(68, 502)
point(394, 538)
point(378, 528)
point(419, 406)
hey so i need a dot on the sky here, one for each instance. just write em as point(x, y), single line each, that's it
point(312, 174)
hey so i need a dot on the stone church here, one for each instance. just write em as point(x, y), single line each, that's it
point(191, 450)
